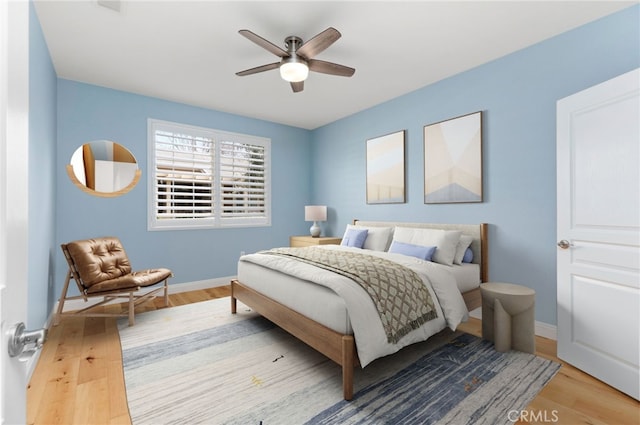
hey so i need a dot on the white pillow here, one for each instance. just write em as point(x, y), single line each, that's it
point(446, 241)
point(463, 244)
point(378, 238)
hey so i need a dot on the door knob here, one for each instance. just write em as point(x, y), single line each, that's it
point(564, 244)
point(20, 338)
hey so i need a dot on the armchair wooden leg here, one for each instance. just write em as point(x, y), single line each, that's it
point(166, 293)
point(132, 309)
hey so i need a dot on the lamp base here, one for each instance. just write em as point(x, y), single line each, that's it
point(315, 230)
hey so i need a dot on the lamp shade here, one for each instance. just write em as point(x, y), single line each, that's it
point(315, 213)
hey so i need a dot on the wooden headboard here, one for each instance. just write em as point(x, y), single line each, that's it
point(478, 232)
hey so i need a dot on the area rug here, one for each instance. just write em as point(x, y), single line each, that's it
point(198, 363)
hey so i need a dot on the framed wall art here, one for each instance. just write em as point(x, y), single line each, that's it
point(453, 160)
point(385, 169)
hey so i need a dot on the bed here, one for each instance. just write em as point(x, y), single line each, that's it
point(326, 317)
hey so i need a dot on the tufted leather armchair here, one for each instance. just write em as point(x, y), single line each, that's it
point(100, 267)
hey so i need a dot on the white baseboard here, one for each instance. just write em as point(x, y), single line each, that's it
point(546, 330)
point(200, 284)
point(542, 329)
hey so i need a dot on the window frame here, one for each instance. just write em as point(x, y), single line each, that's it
point(217, 220)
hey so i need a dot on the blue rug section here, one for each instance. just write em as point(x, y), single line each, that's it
point(199, 364)
point(184, 344)
point(427, 390)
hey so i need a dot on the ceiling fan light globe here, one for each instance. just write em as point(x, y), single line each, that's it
point(294, 72)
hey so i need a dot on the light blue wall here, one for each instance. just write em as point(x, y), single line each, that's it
point(42, 193)
point(87, 112)
point(518, 95)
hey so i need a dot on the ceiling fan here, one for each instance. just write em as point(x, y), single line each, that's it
point(297, 60)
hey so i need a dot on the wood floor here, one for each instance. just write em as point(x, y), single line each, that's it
point(79, 379)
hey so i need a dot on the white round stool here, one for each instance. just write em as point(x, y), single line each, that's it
point(508, 313)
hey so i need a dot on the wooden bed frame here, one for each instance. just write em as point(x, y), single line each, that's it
point(337, 346)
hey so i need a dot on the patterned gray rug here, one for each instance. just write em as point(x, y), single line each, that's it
point(199, 364)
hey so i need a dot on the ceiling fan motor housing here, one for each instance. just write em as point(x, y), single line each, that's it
point(293, 68)
point(292, 43)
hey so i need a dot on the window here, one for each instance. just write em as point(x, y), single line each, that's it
point(203, 178)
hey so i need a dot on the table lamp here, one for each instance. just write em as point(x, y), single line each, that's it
point(315, 213)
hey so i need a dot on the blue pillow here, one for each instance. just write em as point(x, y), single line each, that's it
point(468, 256)
point(418, 251)
point(354, 237)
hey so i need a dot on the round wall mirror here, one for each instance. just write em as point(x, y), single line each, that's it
point(103, 168)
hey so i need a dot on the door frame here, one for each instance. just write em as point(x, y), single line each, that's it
point(14, 198)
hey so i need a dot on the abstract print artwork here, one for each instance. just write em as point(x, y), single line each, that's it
point(385, 169)
point(453, 160)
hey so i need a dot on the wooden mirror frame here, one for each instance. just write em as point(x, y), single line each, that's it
point(119, 151)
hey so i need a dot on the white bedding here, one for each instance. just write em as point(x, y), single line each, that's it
point(467, 276)
point(314, 301)
point(371, 340)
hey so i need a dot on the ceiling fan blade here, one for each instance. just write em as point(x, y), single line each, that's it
point(265, 44)
point(258, 69)
point(297, 87)
point(318, 43)
point(330, 68)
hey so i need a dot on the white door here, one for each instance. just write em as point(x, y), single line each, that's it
point(598, 178)
point(14, 146)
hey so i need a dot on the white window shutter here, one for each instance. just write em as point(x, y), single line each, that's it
point(206, 178)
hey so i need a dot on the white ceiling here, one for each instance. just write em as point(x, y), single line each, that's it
point(189, 52)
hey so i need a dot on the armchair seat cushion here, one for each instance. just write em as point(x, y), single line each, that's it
point(132, 281)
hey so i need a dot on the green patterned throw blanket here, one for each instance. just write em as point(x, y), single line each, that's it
point(399, 294)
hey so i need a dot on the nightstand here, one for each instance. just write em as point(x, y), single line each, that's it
point(301, 241)
point(508, 316)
